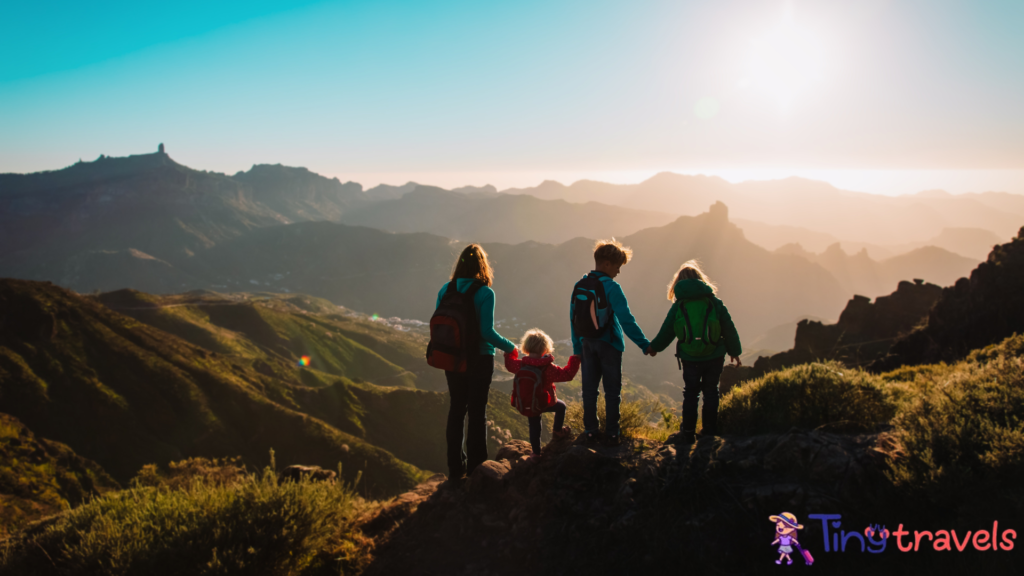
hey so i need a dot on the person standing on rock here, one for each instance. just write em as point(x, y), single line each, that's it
point(701, 322)
point(468, 389)
point(599, 315)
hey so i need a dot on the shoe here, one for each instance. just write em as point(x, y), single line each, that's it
point(779, 561)
point(789, 561)
point(565, 432)
point(612, 440)
point(594, 437)
point(453, 483)
point(687, 437)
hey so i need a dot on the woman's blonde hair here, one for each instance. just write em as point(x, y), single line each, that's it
point(535, 341)
point(690, 270)
point(472, 263)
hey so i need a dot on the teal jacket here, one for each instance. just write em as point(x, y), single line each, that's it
point(622, 320)
point(484, 302)
point(685, 290)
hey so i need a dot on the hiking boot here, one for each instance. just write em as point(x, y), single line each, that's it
point(612, 440)
point(565, 432)
point(594, 437)
point(454, 483)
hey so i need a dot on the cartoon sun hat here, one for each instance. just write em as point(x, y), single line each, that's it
point(787, 519)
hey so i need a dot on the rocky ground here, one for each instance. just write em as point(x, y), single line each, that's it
point(645, 507)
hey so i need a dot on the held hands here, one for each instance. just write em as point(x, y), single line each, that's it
point(735, 360)
point(650, 352)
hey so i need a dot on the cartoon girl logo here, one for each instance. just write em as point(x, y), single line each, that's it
point(786, 526)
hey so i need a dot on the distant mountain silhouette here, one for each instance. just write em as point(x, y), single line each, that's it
point(859, 274)
point(508, 218)
point(851, 216)
point(863, 334)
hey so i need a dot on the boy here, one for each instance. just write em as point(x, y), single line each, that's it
point(597, 327)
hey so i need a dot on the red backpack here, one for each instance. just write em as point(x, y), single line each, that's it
point(454, 329)
point(530, 395)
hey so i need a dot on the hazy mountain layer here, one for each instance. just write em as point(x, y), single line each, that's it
point(860, 274)
point(818, 206)
point(508, 218)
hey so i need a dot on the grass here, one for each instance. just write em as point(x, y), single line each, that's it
point(807, 396)
point(637, 418)
point(211, 524)
point(954, 430)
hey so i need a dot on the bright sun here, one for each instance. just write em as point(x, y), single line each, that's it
point(785, 62)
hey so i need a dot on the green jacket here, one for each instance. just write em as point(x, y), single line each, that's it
point(686, 289)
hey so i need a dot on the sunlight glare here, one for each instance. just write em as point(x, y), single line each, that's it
point(785, 62)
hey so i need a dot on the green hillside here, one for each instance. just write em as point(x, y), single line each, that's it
point(39, 477)
point(125, 394)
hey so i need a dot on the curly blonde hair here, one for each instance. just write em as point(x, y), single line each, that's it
point(536, 341)
point(690, 270)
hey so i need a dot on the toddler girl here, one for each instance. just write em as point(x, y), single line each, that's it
point(538, 347)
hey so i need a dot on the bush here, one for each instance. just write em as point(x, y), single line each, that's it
point(806, 396)
point(254, 526)
point(178, 475)
point(964, 427)
point(637, 419)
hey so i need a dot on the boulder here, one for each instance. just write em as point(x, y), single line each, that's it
point(487, 476)
point(313, 473)
point(513, 450)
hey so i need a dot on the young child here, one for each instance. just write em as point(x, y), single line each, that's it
point(538, 347)
point(598, 298)
point(706, 333)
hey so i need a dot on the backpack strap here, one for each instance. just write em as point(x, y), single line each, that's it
point(707, 318)
point(689, 325)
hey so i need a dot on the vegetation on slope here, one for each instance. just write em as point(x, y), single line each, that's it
point(39, 477)
point(952, 429)
point(251, 525)
point(125, 394)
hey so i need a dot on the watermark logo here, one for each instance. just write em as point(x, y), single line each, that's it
point(786, 526)
point(875, 537)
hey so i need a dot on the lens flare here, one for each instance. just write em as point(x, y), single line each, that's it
point(304, 361)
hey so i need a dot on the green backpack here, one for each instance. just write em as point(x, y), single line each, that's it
point(697, 327)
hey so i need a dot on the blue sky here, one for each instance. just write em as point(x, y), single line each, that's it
point(510, 93)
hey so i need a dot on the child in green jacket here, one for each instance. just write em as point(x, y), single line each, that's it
point(706, 333)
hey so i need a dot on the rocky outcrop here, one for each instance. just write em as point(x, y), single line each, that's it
point(973, 313)
point(637, 507)
point(864, 333)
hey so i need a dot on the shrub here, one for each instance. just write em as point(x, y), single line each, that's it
point(217, 471)
point(806, 396)
point(965, 428)
point(254, 526)
point(636, 418)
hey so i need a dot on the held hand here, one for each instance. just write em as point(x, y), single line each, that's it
point(735, 360)
point(650, 352)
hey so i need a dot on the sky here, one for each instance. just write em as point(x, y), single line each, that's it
point(885, 96)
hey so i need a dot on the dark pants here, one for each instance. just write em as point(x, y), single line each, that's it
point(467, 392)
point(559, 410)
point(601, 360)
point(701, 378)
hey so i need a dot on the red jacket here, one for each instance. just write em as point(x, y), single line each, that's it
point(552, 372)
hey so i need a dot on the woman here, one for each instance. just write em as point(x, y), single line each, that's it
point(468, 390)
